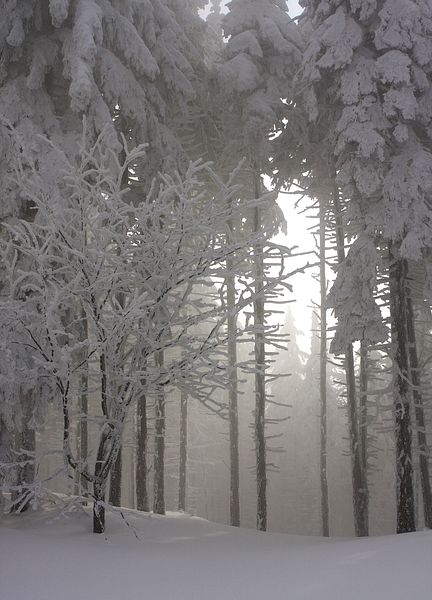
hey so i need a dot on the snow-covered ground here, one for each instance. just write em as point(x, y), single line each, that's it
point(184, 558)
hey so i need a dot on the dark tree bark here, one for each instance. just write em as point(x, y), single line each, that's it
point(359, 480)
point(360, 489)
point(6, 445)
point(415, 381)
point(323, 378)
point(116, 481)
point(233, 399)
point(260, 366)
point(159, 453)
point(141, 456)
point(363, 417)
point(83, 407)
point(183, 451)
point(109, 446)
point(25, 443)
point(101, 471)
point(99, 488)
point(98, 510)
point(402, 406)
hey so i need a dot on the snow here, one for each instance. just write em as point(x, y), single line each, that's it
point(43, 557)
point(59, 10)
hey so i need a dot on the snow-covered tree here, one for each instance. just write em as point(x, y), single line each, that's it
point(353, 299)
point(141, 60)
point(259, 61)
point(90, 246)
point(127, 66)
point(367, 71)
point(255, 72)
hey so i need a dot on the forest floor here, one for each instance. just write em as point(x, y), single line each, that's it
point(147, 557)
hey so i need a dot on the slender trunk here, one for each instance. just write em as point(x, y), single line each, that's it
point(116, 470)
point(159, 454)
point(76, 475)
point(99, 476)
point(29, 446)
point(360, 489)
point(233, 398)
point(404, 469)
point(364, 377)
point(26, 446)
point(260, 393)
point(183, 451)
point(323, 379)
point(415, 381)
point(359, 481)
point(83, 408)
point(99, 490)
point(116, 481)
point(141, 455)
point(6, 445)
point(132, 489)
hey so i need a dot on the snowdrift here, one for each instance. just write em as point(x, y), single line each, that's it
point(147, 557)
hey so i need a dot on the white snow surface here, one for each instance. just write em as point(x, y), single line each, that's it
point(180, 557)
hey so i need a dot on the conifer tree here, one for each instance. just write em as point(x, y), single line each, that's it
point(367, 69)
point(256, 71)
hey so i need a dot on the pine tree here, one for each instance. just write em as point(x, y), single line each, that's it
point(256, 72)
point(367, 69)
point(323, 372)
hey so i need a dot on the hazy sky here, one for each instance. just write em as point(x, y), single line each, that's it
point(293, 7)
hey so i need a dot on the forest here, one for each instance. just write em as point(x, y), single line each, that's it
point(215, 266)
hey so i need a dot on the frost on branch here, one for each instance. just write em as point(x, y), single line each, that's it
point(59, 10)
point(373, 88)
point(257, 66)
point(60, 58)
point(130, 268)
point(81, 52)
point(352, 298)
point(367, 75)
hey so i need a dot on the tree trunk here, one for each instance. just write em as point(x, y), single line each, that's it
point(99, 487)
point(402, 407)
point(116, 480)
point(98, 510)
point(25, 442)
point(360, 489)
point(6, 445)
point(415, 381)
point(323, 378)
point(109, 447)
point(363, 423)
point(159, 454)
point(183, 451)
point(233, 397)
point(132, 472)
point(83, 408)
point(260, 392)
point(359, 480)
point(141, 455)
point(99, 479)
